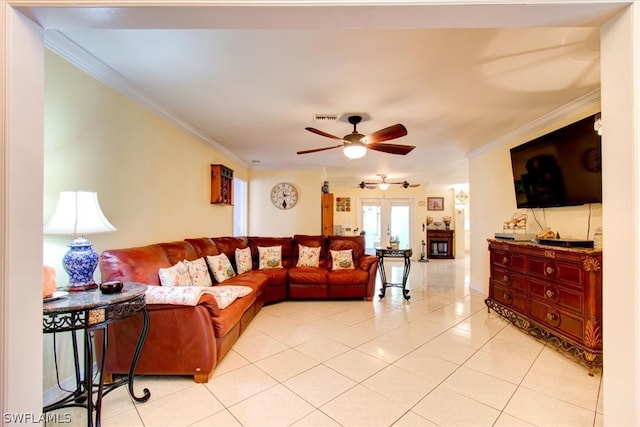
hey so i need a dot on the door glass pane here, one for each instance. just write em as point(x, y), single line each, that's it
point(371, 227)
point(400, 222)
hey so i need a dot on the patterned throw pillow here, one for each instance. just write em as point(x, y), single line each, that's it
point(243, 260)
point(220, 267)
point(342, 260)
point(176, 275)
point(198, 272)
point(226, 294)
point(270, 257)
point(308, 256)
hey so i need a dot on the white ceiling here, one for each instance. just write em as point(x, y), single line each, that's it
point(248, 79)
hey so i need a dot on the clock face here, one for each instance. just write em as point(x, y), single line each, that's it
point(284, 195)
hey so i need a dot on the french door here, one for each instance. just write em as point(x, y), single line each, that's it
point(384, 219)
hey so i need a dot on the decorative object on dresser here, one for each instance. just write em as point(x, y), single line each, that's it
point(447, 222)
point(78, 213)
point(221, 185)
point(554, 293)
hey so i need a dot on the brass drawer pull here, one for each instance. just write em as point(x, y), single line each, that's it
point(550, 293)
point(550, 270)
point(505, 260)
point(507, 296)
point(506, 278)
point(551, 317)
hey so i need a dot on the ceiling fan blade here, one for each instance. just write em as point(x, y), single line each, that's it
point(386, 134)
point(391, 148)
point(315, 150)
point(321, 133)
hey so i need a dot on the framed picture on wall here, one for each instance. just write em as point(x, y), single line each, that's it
point(435, 203)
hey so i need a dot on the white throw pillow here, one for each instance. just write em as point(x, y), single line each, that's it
point(243, 260)
point(270, 257)
point(176, 275)
point(342, 260)
point(308, 256)
point(198, 272)
point(220, 267)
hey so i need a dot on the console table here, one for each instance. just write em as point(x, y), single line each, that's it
point(89, 311)
point(394, 253)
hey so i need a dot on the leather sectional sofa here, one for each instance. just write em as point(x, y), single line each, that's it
point(191, 340)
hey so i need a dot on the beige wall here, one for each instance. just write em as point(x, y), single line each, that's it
point(304, 218)
point(153, 181)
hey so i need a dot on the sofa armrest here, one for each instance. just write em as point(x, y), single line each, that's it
point(365, 261)
point(370, 263)
point(182, 342)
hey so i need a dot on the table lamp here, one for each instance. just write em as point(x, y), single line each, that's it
point(78, 213)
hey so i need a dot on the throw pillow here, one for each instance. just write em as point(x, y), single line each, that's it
point(270, 257)
point(342, 260)
point(220, 267)
point(176, 275)
point(243, 260)
point(198, 272)
point(308, 256)
point(226, 294)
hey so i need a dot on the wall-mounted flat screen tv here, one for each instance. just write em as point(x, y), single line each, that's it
point(562, 168)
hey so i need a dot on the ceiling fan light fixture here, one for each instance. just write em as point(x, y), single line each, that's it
point(384, 186)
point(354, 150)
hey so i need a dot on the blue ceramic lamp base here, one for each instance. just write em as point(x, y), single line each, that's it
point(80, 263)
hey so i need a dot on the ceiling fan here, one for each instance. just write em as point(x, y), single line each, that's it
point(384, 185)
point(355, 145)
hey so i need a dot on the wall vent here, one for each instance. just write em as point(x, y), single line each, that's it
point(325, 117)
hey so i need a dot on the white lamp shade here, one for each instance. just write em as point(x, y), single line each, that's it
point(355, 150)
point(384, 186)
point(77, 213)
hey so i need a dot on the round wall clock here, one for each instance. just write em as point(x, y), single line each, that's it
point(284, 195)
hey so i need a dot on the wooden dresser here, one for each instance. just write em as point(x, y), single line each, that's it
point(553, 292)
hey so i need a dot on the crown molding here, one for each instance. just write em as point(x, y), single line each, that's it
point(585, 102)
point(59, 43)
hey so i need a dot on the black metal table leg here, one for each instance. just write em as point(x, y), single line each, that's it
point(136, 355)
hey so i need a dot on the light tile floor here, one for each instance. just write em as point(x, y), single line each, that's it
point(439, 360)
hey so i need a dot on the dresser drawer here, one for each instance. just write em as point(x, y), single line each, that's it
point(510, 260)
point(560, 320)
point(509, 279)
point(571, 274)
point(509, 298)
point(557, 295)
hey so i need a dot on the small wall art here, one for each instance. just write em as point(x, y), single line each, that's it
point(343, 204)
point(435, 203)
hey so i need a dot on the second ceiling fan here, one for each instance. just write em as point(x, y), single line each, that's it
point(355, 145)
